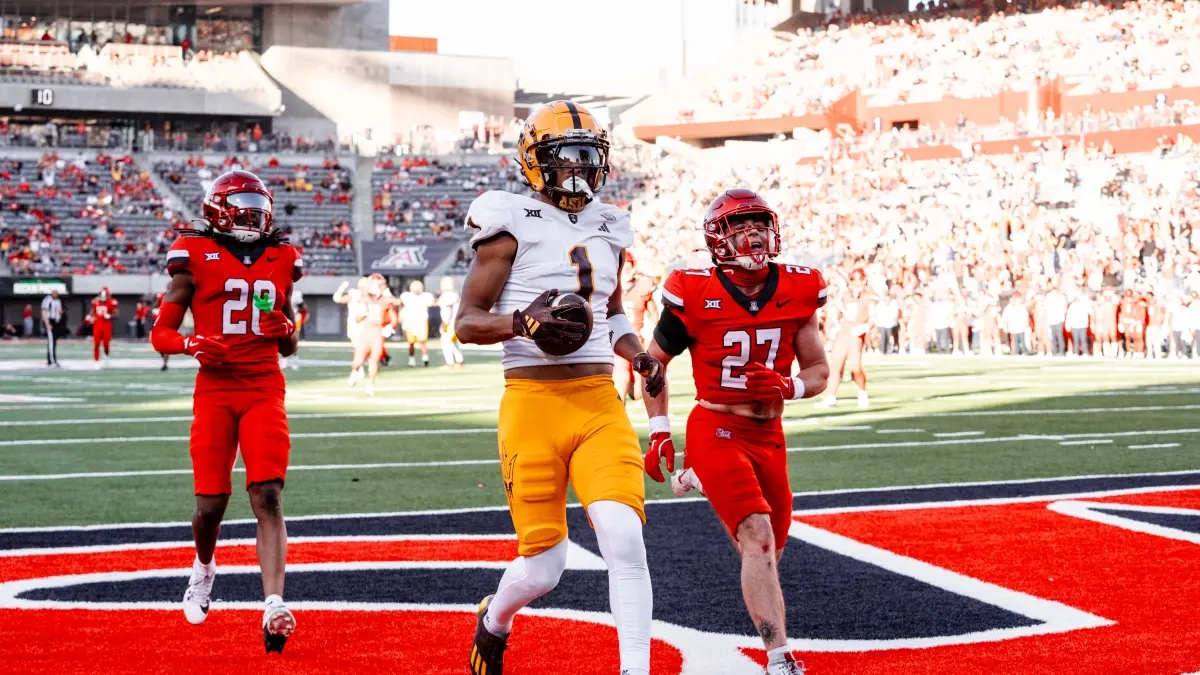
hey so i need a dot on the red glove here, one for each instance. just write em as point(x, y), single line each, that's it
point(276, 326)
point(765, 384)
point(661, 446)
point(208, 351)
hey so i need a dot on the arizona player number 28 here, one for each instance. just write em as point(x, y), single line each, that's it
point(240, 286)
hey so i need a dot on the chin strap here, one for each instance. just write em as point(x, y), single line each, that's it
point(744, 277)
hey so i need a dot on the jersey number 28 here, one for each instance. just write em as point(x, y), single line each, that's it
point(741, 340)
point(230, 326)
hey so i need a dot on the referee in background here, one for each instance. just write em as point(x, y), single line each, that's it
point(52, 319)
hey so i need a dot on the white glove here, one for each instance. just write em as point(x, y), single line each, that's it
point(683, 482)
point(388, 332)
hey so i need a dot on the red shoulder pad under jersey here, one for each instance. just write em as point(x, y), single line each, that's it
point(804, 283)
point(184, 251)
point(681, 285)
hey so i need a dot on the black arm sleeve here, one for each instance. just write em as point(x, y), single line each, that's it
point(671, 334)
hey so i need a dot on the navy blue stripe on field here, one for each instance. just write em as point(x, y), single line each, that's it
point(497, 521)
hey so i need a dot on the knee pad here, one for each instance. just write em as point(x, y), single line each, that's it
point(619, 533)
point(542, 571)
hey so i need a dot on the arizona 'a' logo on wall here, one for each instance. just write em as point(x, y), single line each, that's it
point(406, 257)
point(1087, 576)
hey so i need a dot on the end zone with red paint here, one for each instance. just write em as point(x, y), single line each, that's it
point(1084, 576)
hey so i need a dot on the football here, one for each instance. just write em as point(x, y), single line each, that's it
point(578, 310)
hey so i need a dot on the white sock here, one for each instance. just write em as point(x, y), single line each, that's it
point(619, 534)
point(526, 579)
point(208, 569)
point(274, 601)
point(778, 655)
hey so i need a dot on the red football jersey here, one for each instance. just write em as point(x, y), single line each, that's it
point(727, 330)
point(103, 311)
point(223, 304)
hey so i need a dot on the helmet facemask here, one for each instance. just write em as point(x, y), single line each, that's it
point(246, 217)
point(573, 168)
point(747, 240)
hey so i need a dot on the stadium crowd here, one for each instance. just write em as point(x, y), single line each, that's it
point(1097, 48)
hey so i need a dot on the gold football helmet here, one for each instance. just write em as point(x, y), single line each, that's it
point(563, 153)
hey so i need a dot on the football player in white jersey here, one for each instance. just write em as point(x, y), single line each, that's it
point(448, 302)
point(529, 249)
point(414, 321)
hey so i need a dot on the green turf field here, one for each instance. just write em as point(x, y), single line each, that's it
point(79, 446)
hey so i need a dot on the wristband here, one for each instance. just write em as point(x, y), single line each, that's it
point(660, 425)
point(797, 388)
point(620, 327)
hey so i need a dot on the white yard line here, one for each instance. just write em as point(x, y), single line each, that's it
point(899, 431)
point(957, 434)
point(1152, 446)
point(1070, 439)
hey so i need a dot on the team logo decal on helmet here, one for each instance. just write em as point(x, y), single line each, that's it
point(239, 206)
point(563, 154)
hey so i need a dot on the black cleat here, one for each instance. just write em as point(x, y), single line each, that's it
point(487, 653)
point(278, 625)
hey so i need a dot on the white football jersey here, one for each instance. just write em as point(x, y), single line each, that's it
point(574, 253)
point(415, 307)
point(448, 302)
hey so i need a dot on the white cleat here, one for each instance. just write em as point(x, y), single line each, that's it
point(789, 667)
point(278, 624)
point(355, 376)
point(199, 591)
point(863, 401)
point(370, 388)
point(826, 403)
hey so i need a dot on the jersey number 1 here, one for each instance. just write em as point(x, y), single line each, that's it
point(228, 325)
point(741, 340)
point(580, 259)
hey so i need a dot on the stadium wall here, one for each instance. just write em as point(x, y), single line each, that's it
point(854, 109)
point(139, 102)
point(362, 27)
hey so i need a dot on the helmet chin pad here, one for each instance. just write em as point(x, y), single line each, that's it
point(243, 236)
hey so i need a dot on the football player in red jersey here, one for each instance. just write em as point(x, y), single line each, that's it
point(237, 277)
point(104, 310)
point(744, 322)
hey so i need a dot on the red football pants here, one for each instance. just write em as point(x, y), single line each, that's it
point(224, 421)
point(742, 464)
point(101, 335)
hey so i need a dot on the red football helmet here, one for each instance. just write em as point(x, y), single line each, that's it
point(738, 211)
point(238, 205)
point(104, 293)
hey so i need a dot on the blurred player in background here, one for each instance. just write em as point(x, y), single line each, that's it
point(414, 313)
point(236, 277)
point(851, 340)
point(104, 311)
point(372, 313)
point(745, 322)
point(141, 314)
point(637, 290)
point(300, 311)
point(559, 420)
point(448, 304)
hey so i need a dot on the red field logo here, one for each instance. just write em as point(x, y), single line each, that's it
point(1049, 577)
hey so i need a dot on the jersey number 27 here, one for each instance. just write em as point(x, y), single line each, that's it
point(741, 340)
point(230, 325)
